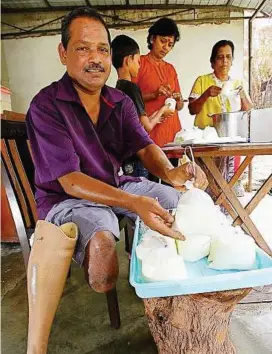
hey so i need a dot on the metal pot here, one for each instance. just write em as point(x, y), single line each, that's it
point(232, 124)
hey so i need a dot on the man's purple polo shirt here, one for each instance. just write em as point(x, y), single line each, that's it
point(63, 139)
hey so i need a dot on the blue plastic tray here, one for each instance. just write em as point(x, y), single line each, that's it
point(200, 279)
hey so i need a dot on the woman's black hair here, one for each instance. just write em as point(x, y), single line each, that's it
point(163, 27)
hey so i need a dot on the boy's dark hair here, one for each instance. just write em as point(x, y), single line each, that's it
point(77, 13)
point(123, 46)
point(163, 27)
point(217, 46)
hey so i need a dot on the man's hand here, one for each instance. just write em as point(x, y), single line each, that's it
point(179, 175)
point(213, 91)
point(156, 217)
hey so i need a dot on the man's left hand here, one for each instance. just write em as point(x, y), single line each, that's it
point(179, 175)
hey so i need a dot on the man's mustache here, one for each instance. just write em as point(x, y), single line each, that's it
point(94, 67)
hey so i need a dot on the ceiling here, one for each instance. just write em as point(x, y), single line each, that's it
point(15, 6)
point(24, 18)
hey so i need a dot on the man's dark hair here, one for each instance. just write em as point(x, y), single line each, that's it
point(219, 45)
point(163, 27)
point(77, 13)
point(123, 46)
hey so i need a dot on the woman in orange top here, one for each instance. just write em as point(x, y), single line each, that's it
point(158, 79)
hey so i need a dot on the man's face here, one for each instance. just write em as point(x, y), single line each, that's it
point(223, 60)
point(87, 57)
point(161, 45)
point(134, 63)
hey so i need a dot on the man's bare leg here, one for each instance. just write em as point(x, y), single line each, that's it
point(101, 262)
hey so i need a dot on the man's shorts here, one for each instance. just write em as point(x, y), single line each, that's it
point(92, 217)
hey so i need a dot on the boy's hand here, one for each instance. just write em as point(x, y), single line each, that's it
point(167, 112)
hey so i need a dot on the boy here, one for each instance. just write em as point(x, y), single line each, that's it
point(126, 60)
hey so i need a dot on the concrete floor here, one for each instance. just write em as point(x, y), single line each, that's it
point(81, 325)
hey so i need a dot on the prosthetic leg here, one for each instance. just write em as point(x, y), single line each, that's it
point(48, 266)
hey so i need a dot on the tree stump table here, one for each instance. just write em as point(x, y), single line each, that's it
point(193, 324)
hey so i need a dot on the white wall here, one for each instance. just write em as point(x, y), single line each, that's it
point(33, 63)
point(261, 125)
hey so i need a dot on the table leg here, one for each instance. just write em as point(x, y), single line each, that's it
point(235, 177)
point(256, 199)
point(217, 191)
point(243, 214)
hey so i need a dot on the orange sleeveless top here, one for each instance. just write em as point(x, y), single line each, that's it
point(152, 74)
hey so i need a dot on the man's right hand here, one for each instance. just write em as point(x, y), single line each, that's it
point(156, 217)
point(213, 91)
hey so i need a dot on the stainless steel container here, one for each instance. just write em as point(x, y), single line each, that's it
point(232, 124)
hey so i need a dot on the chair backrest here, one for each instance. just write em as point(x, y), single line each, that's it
point(18, 165)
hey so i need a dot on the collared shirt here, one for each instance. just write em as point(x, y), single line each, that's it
point(227, 101)
point(63, 139)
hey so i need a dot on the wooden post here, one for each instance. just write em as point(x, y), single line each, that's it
point(193, 324)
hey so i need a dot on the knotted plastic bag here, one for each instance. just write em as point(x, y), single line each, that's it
point(197, 214)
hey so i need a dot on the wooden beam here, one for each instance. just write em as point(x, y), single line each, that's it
point(256, 199)
point(164, 6)
point(243, 214)
point(48, 3)
point(236, 176)
point(259, 8)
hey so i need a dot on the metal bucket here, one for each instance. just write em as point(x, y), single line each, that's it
point(232, 124)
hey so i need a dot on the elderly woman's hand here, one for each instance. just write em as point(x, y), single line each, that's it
point(213, 91)
point(179, 175)
point(241, 92)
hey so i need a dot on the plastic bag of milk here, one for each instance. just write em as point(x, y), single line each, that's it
point(233, 253)
point(194, 248)
point(160, 266)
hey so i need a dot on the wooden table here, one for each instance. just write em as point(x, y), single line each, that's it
point(222, 189)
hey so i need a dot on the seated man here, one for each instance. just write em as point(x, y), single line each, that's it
point(80, 131)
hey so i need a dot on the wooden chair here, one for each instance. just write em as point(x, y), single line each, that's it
point(18, 181)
